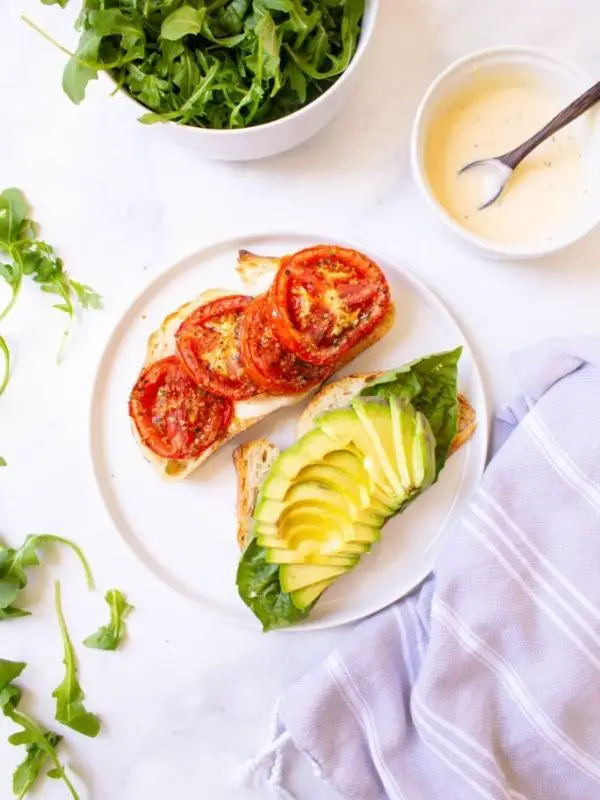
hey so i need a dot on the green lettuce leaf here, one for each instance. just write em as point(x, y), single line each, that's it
point(259, 587)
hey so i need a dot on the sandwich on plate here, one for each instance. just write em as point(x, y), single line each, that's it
point(367, 447)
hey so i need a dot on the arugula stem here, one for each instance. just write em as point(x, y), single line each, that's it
point(14, 253)
point(6, 354)
point(46, 36)
point(50, 537)
point(29, 725)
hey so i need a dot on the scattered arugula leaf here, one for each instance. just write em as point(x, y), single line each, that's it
point(13, 564)
point(69, 694)
point(219, 64)
point(29, 256)
point(40, 745)
point(3, 462)
point(109, 637)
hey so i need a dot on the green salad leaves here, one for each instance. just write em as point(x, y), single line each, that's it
point(215, 63)
point(430, 384)
point(29, 256)
point(69, 694)
point(40, 745)
point(109, 637)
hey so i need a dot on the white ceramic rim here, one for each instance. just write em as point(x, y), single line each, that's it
point(148, 561)
point(416, 155)
point(366, 33)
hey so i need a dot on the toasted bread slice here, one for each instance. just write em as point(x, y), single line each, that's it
point(161, 344)
point(252, 462)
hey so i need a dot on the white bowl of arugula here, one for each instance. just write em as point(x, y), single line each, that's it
point(234, 79)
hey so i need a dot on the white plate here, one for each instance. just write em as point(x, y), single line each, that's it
point(186, 532)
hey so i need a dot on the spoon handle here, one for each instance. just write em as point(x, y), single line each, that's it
point(567, 115)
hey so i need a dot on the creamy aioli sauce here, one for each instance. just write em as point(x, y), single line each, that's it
point(494, 114)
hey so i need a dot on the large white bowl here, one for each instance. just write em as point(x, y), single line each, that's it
point(458, 74)
point(245, 144)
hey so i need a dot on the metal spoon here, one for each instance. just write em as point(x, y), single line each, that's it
point(507, 163)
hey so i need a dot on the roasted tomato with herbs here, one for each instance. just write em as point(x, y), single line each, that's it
point(270, 365)
point(208, 344)
point(325, 299)
point(173, 417)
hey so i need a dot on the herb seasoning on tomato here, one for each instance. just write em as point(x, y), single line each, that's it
point(324, 300)
point(208, 345)
point(174, 417)
point(270, 365)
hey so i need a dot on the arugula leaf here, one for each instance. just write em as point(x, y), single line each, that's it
point(36, 759)
point(430, 384)
point(109, 637)
point(69, 694)
point(37, 259)
point(40, 745)
point(182, 22)
point(237, 62)
point(259, 587)
point(13, 564)
point(9, 670)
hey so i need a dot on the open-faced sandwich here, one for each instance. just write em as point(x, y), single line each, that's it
point(222, 362)
point(368, 445)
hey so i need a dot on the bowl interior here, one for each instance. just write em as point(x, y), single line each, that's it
point(567, 82)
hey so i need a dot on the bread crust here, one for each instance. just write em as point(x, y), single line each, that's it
point(252, 461)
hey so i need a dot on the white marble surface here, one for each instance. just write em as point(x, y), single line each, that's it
point(189, 697)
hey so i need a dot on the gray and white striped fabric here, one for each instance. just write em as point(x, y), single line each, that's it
point(486, 682)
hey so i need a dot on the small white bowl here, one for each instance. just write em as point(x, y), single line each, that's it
point(536, 62)
point(245, 144)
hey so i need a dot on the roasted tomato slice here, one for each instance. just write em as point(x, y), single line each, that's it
point(270, 365)
point(208, 345)
point(326, 299)
point(174, 417)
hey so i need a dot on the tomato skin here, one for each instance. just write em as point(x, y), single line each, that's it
point(270, 365)
point(208, 345)
point(325, 299)
point(175, 418)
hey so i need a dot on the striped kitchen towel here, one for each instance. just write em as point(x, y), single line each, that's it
point(486, 682)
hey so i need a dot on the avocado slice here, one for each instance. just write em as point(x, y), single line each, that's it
point(344, 426)
point(312, 495)
point(309, 449)
point(350, 460)
point(338, 480)
point(377, 421)
point(303, 598)
point(278, 556)
point(297, 576)
point(325, 520)
point(404, 423)
point(311, 540)
point(423, 453)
